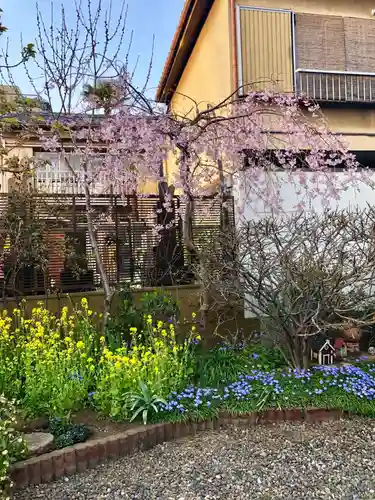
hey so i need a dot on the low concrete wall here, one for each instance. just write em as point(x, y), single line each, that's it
point(188, 297)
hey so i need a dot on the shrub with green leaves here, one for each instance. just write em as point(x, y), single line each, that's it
point(125, 317)
point(159, 304)
point(265, 358)
point(12, 445)
point(220, 365)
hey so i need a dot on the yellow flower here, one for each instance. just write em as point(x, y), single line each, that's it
point(193, 315)
point(80, 345)
point(102, 339)
point(84, 303)
point(133, 361)
point(118, 365)
point(64, 314)
point(108, 354)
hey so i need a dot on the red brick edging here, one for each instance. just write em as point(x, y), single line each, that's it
point(77, 458)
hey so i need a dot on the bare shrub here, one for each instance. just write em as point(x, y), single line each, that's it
point(304, 274)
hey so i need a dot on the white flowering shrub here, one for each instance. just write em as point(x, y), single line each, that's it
point(12, 445)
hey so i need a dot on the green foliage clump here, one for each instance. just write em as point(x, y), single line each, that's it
point(153, 356)
point(68, 434)
point(159, 304)
point(224, 363)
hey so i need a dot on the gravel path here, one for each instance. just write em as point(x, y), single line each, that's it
point(289, 462)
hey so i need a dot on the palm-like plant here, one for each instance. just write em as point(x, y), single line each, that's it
point(143, 402)
point(103, 94)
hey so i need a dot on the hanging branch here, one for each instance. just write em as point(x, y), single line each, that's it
point(248, 139)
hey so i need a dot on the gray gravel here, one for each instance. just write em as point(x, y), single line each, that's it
point(289, 462)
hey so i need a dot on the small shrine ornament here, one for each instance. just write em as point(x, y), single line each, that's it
point(325, 355)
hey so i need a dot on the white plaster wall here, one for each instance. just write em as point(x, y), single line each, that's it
point(251, 205)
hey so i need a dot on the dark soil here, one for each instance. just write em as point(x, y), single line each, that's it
point(101, 427)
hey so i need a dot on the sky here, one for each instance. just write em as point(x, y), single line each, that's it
point(147, 18)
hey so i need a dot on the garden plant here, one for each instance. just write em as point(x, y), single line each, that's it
point(56, 365)
point(12, 444)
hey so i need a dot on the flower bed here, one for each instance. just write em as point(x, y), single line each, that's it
point(350, 388)
point(56, 366)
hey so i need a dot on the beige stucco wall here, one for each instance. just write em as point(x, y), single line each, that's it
point(207, 76)
point(357, 127)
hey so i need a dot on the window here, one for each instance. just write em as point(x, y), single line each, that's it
point(265, 49)
point(334, 43)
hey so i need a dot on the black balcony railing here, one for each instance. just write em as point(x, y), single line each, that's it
point(336, 86)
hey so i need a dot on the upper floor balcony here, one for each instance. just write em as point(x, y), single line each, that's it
point(53, 176)
point(328, 58)
point(334, 86)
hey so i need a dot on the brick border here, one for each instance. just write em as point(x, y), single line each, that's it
point(67, 461)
